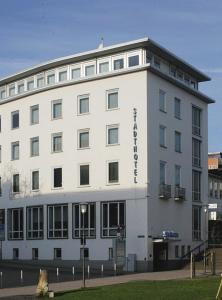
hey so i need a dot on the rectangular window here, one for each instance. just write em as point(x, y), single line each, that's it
point(15, 224)
point(15, 119)
point(76, 73)
point(57, 253)
point(196, 120)
point(83, 104)
point(40, 81)
point(113, 172)
point(113, 219)
point(34, 221)
point(89, 221)
point(30, 85)
point(56, 109)
point(35, 180)
point(162, 136)
point(50, 79)
point(177, 141)
point(2, 94)
point(11, 90)
point(57, 182)
point(133, 61)
point(89, 70)
point(104, 67)
point(34, 114)
point(177, 108)
point(162, 172)
point(176, 251)
point(177, 175)
point(15, 183)
point(84, 175)
point(118, 64)
point(56, 142)
point(34, 146)
point(84, 139)
point(162, 101)
point(196, 223)
point(112, 100)
point(15, 150)
point(110, 253)
point(21, 88)
point(157, 62)
point(112, 135)
point(173, 71)
point(196, 185)
point(35, 253)
point(62, 76)
point(58, 221)
point(15, 254)
point(196, 153)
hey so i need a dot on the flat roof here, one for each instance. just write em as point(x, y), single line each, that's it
point(100, 52)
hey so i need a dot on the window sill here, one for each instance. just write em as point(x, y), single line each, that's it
point(84, 148)
point(113, 183)
point(57, 188)
point(83, 114)
point(84, 186)
point(163, 111)
point(110, 109)
point(178, 151)
point(112, 145)
point(163, 147)
point(54, 152)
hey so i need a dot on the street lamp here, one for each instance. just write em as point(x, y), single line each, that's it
point(83, 209)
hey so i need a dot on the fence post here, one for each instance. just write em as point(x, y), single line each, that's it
point(213, 263)
point(205, 262)
point(102, 270)
point(21, 276)
point(88, 271)
point(115, 269)
point(73, 272)
point(192, 266)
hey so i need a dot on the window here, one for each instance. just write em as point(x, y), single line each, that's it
point(162, 101)
point(113, 219)
point(15, 254)
point(113, 172)
point(35, 253)
point(110, 253)
point(176, 251)
point(182, 250)
point(162, 172)
point(84, 139)
point(11, 90)
point(162, 136)
point(30, 85)
point(196, 185)
point(196, 120)
point(177, 112)
point(35, 180)
point(112, 135)
point(177, 175)
point(15, 183)
point(58, 221)
point(196, 153)
point(15, 224)
point(156, 62)
point(15, 150)
point(34, 221)
point(2, 94)
point(57, 253)
point(118, 64)
point(50, 79)
point(83, 104)
point(34, 114)
point(133, 61)
point(173, 71)
point(62, 75)
point(56, 109)
point(84, 175)
point(56, 142)
point(40, 81)
point(196, 223)
point(103, 67)
point(112, 100)
point(57, 178)
point(21, 88)
point(89, 221)
point(215, 189)
point(34, 146)
point(89, 70)
point(76, 73)
point(180, 75)
point(15, 119)
point(177, 141)
point(0, 187)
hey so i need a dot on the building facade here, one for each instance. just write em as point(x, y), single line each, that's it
point(121, 128)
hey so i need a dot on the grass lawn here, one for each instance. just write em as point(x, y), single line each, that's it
point(196, 289)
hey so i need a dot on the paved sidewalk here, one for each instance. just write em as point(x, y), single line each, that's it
point(23, 292)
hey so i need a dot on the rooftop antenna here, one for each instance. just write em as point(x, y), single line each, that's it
point(101, 45)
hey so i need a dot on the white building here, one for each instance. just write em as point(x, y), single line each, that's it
point(123, 128)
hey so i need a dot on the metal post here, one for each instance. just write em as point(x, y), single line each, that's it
point(213, 261)
point(1, 279)
point(205, 262)
point(21, 276)
point(88, 271)
point(73, 272)
point(102, 270)
point(83, 259)
point(57, 273)
point(115, 269)
point(192, 266)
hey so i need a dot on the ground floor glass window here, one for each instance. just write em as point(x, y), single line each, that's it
point(89, 221)
point(58, 221)
point(15, 224)
point(34, 222)
point(196, 223)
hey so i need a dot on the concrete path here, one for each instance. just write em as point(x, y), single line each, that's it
point(23, 292)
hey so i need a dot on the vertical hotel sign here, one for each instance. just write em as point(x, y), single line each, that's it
point(135, 148)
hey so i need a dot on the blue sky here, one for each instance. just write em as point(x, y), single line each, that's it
point(33, 31)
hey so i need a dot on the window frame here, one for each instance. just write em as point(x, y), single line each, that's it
point(108, 128)
point(53, 179)
point(53, 137)
point(79, 176)
point(162, 127)
point(108, 182)
point(53, 103)
point(34, 108)
point(178, 147)
point(13, 145)
point(34, 139)
point(13, 113)
point(162, 93)
point(10, 224)
point(40, 232)
point(63, 237)
point(112, 91)
point(79, 98)
point(34, 171)
point(82, 131)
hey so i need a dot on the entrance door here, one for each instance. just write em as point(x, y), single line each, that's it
point(160, 256)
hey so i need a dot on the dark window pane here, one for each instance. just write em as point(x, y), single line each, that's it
point(105, 215)
point(113, 214)
point(84, 175)
point(113, 172)
point(133, 60)
point(58, 177)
